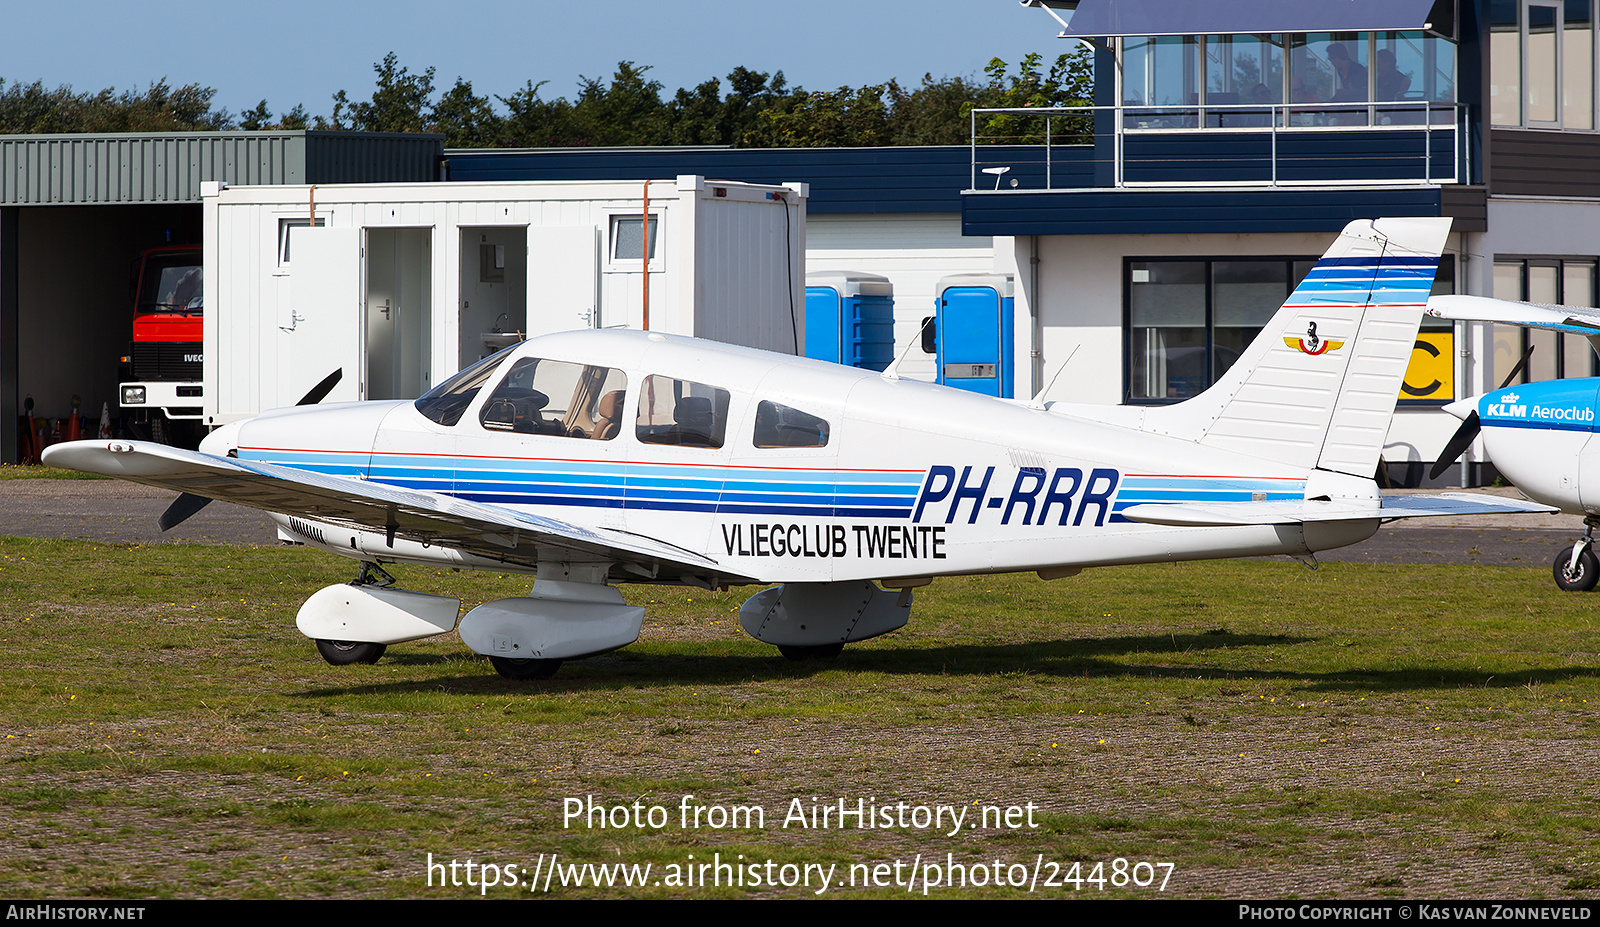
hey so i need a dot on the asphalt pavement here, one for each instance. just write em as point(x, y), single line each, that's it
point(125, 513)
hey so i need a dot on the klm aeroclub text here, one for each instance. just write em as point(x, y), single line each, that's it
point(948, 497)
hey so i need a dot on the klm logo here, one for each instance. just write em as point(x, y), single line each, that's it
point(1508, 407)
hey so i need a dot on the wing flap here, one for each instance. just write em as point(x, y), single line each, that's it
point(1300, 511)
point(416, 514)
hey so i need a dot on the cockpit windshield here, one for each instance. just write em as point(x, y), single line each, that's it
point(171, 283)
point(446, 402)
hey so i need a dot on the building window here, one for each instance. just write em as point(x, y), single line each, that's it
point(1188, 81)
point(1541, 64)
point(1188, 320)
point(286, 229)
point(1555, 281)
point(628, 241)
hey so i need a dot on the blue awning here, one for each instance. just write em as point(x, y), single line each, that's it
point(1099, 18)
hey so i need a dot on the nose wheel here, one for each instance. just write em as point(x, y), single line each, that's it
point(348, 653)
point(1577, 569)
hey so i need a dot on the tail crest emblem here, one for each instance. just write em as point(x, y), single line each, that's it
point(1312, 344)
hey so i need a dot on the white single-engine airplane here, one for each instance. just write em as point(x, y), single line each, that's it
point(598, 457)
point(1541, 436)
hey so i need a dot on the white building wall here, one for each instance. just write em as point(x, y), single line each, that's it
point(913, 250)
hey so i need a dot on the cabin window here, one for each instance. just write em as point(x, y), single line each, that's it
point(780, 426)
point(681, 412)
point(556, 398)
point(446, 402)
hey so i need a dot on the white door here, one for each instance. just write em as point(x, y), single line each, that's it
point(562, 278)
point(323, 332)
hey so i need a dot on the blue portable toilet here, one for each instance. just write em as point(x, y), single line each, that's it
point(973, 314)
point(850, 318)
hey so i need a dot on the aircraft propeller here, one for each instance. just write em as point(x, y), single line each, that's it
point(187, 504)
point(1470, 426)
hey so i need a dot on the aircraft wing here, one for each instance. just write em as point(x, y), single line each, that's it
point(1300, 511)
point(487, 530)
point(1576, 320)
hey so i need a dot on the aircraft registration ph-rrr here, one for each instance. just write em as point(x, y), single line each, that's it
point(599, 457)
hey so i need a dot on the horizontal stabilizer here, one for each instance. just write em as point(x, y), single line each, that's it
point(1300, 511)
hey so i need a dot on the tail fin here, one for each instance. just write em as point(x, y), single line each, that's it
point(1317, 387)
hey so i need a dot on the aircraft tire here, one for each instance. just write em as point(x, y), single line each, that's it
point(525, 669)
point(1581, 579)
point(817, 652)
point(346, 653)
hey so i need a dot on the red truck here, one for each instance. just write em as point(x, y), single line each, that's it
point(160, 392)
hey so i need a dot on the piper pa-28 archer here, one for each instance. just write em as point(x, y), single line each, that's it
point(598, 457)
point(1541, 436)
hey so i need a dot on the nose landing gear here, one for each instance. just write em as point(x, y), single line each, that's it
point(1577, 569)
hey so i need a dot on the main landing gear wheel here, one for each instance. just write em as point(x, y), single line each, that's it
point(346, 653)
point(816, 652)
point(525, 669)
point(1580, 578)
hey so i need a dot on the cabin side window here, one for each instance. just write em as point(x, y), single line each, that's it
point(557, 398)
point(446, 402)
point(780, 426)
point(681, 412)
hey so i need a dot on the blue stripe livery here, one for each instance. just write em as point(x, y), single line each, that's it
point(598, 484)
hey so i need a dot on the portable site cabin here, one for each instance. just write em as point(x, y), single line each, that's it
point(401, 285)
point(850, 318)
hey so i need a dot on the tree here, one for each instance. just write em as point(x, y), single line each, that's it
point(843, 118)
point(1069, 83)
point(628, 111)
point(160, 108)
point(533, 122)
point(259, 118)
point(936, 112)
point(399, 103)
point(256, 118)
point(465, 119)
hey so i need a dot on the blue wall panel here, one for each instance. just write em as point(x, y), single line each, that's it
point(843, 180)
point(1119, 212)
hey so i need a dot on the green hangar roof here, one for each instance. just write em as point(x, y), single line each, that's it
point(168, 167)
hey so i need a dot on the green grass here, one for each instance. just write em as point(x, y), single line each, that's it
point(37, 472)
point(1358, 731)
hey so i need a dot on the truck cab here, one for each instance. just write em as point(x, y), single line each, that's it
point(161, 391)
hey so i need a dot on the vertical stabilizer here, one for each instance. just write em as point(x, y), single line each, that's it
point(1317, 387)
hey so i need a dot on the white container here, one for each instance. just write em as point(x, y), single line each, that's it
point(401, 285)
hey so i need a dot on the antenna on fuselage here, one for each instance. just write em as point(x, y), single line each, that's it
point(1038, 401)
point(892, 372)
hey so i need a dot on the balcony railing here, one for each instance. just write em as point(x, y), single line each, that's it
point(1245, 145)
